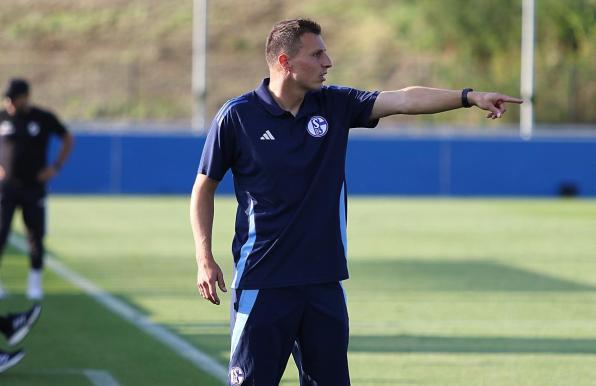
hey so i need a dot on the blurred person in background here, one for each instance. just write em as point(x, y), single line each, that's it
point(285, 143)
point(15, 328)
point(25, 132)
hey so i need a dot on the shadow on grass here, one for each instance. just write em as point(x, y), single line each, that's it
point(472, 344)
point(459, 275)
point(440, 344)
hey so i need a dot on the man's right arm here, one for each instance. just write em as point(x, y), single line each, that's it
point(201, 220)
point(426, 100)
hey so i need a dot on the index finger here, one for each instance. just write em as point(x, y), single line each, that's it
point(507, 98)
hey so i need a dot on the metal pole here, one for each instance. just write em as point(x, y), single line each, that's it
point(199, 65)
point(526, 119)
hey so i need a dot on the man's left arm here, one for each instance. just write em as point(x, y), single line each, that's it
point(67, 141)
point(426, 100)
point(65, 149)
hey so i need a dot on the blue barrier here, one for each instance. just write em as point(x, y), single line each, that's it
point(496, 166)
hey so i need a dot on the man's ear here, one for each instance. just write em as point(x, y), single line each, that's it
point(283, 61)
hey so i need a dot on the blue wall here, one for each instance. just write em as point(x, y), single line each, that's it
point(497, 166)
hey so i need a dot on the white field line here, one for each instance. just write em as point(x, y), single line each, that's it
point(100, 377)
point(198, 358)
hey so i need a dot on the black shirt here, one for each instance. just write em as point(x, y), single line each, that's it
point(24, 140)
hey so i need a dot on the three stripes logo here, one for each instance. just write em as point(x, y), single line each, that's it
point(267, 136)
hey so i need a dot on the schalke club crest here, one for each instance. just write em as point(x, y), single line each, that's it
point(317, 126)
point(236, 376)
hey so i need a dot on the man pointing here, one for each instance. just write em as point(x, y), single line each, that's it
point(285, 143)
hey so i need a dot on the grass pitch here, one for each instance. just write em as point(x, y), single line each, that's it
point(442, 292)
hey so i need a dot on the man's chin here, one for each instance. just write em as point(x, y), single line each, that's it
point(316, 86)
point(313, 86)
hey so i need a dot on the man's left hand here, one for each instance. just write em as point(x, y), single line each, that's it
point(492, 102)
point(47, 174)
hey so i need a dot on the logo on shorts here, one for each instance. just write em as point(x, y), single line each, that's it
point(33, 128)
point(236, 376)
point(6, 128)
point(317, 126)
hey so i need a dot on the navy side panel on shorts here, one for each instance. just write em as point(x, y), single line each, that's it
point(268, 324)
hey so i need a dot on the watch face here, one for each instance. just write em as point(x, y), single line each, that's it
point(464, 97)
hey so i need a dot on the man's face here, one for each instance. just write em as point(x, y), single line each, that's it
point(17, 105)
point(309, 66)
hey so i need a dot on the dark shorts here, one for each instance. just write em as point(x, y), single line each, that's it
point(31, 200)
point(269, 324)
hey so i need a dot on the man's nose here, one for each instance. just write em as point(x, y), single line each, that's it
point(327, 63)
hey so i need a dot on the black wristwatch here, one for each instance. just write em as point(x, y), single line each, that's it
point(464, 97)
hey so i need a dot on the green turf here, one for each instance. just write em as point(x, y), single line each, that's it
point(75, 333)
point(443, 292)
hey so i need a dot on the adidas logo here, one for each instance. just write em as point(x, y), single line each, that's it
point(267, 136)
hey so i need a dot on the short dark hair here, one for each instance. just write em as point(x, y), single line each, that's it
point(285, 37)
point(16, 87)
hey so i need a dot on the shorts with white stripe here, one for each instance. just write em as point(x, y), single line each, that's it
point(268, 324)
